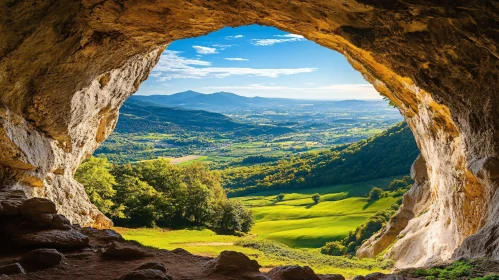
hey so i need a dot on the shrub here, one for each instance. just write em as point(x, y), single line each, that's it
point(375, 194)
point(335, 248)
point(280, 197)
point(316, 198)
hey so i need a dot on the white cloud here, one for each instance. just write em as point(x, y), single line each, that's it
point(222, 47)
point(236, 59)
point(281, 39)
point(173, 66)
point(205, 50)
point(234, 37)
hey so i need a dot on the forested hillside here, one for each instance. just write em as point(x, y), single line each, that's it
point(386, 154)
point(144, 117)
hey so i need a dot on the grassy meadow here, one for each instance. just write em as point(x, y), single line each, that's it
point(286, 232)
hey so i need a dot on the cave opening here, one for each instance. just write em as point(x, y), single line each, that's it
point(278, 116)
point(67, 68)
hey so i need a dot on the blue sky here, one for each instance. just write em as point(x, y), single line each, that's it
point(256, 61)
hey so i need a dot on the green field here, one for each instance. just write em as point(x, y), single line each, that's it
point(295, 221)
point(298, 222)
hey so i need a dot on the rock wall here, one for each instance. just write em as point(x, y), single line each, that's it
point(67, 66)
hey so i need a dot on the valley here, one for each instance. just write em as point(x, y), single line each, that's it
point(176, 126)
point(304, 170)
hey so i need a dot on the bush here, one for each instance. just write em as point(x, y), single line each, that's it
point(316, 198)
point(335, 248)
point(375, 194)
point(280, 197)
point(350, 244)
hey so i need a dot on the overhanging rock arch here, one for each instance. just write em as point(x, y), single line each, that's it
point(67, 66)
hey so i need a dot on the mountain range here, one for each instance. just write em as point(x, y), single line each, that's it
point(221, 101)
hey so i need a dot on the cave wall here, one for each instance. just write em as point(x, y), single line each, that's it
point(67, 66)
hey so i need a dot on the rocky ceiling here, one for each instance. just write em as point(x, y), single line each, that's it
point(67, 66)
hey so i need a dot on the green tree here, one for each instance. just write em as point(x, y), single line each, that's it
point(235, 218)
point(375, 194)
point(279, 197)
point(99, 184)
point(316, 198)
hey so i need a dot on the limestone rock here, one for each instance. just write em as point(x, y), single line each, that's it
point(14, 268)
point(43, 258)
point(61, 222)
point(38, 210)
point(293, 273)
point(229, 262)
point(104, 235)
point(146, 274)
point(11, 202)
point(55, 238)
point(123, 251)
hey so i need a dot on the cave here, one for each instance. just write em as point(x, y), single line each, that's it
point(66, 67)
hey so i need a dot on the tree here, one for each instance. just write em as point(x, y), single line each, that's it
point(316, 198)
point(279, 197)
point(235, 218)
point(375, 194)
point(99, 184)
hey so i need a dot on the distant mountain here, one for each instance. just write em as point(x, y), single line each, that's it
point(137, 116)
point(226, 100)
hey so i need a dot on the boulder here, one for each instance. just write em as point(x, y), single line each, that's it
point(4, 277)
point(11, 202)
point(375, 276)
point(181, 251)
point(43, 258)
point(146, 274)
point(103, 235)
point(120, 251)
point(55, 238)
point(1, 209)
point(359, 277)
point(39, 210)
point(153, 265)
point(293, 273)
point(14, 268)
point(61, 222)
point(230, 261)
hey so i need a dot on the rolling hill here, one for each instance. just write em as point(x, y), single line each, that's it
point(389, 153)
point(138, 116)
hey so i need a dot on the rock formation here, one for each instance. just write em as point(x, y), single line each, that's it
point(67, 66)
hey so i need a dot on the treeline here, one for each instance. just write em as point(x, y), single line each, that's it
point(387, 154)
point(157, 193)
point(352, 242)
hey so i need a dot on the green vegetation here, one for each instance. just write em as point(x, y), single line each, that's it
point(351, 243)
point(226, 136)
point(457, 270)
point(268, 253)
point(387, 154)
point(158, 193)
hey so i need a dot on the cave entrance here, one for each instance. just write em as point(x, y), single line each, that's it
point(282, 121)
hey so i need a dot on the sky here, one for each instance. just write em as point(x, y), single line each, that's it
point(256, 61)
